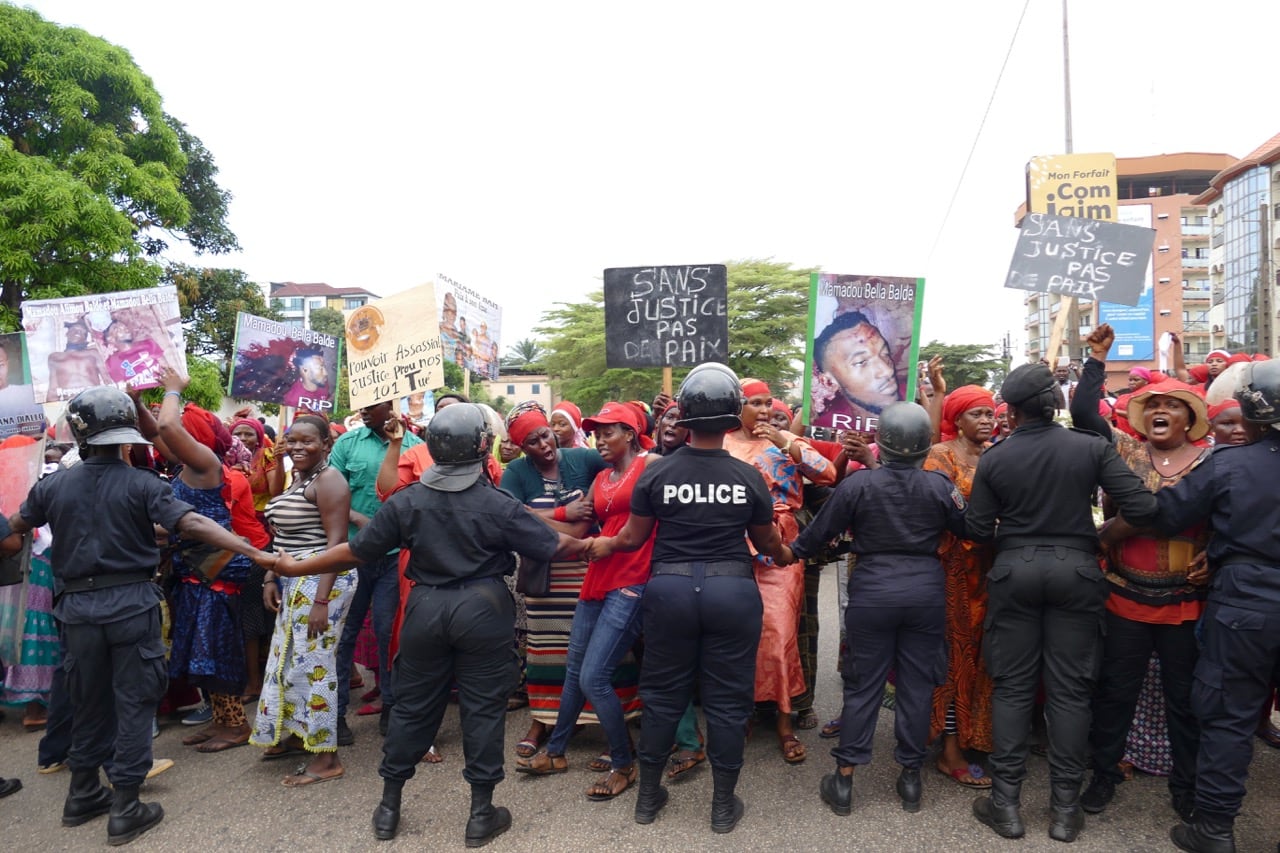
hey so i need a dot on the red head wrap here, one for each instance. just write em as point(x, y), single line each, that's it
point(958, 402)
point(524, 419)
point(1199, 373)
point(1224, 406)
point(254, 425)
point(780, 406)
point(755, 388)
point(205, 428)
point(1218, 353)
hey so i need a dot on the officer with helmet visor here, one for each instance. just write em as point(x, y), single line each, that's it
point(103, 514)
point(457, 620)
point(897, 613)
point(1240, 629)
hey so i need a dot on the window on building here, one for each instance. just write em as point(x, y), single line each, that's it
point(1182, 220)
point(354, 302)
point(511, 389)
point(293, 303)
point(536, 389)
point(317, 303)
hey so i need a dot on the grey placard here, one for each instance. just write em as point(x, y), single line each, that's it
point(668, 316)
point(1087, 258)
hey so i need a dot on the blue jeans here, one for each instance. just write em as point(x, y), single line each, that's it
point(379, 586)
point(602, 634)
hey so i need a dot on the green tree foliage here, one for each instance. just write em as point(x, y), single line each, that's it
point(523, 354)
point(966, 364)
point(768, 316)
point(205, 388)
point(328, 321)
point(209, 300)
point(93, 173)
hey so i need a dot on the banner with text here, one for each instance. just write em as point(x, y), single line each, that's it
point(278, 363)
point(123, 339)
point(1134, 325)
point(470, 327)
point(19, 411)
point(393, 347)
point(1080, 185)
point(675, 316)
point(863, 342)
point(1087, 258)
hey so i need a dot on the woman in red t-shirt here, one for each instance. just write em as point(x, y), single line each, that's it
point(606, 621)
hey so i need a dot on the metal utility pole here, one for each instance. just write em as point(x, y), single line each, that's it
point(1066, 76)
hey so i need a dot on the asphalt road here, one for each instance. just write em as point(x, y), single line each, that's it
point(234, 802)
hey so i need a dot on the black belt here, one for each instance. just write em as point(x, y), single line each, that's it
point(1244, 560)
point(460, 583)
point(718, 568)
point(105, 581)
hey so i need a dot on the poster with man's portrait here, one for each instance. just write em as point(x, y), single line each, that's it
point(278, 363)
point(862, 348)
point(20, 413)
point(125, 339)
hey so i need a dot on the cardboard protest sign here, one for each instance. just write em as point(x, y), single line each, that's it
point(674, 316)
point(864, 338)
point(124, 339)
point(276, 363)
point(1134, 325)
point(19, 411)
point(470, 328)
point(393, 347)
point(1081, 257)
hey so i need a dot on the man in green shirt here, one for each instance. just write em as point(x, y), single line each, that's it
point(358, 456)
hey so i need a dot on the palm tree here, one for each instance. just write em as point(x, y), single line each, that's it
point(523, 353)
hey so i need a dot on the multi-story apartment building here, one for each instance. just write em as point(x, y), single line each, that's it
point(296, 301)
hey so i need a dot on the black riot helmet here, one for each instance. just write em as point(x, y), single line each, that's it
point(710, 399)
point(905, 433)
point(1259, 394)
point(459, 438)
point(103, 416)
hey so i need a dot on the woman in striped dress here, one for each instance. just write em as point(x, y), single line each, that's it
point(297, 714)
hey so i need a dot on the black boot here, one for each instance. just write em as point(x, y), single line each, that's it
point(909, 789)
point(86, 798)
point(1206, 835)
point(1067, 816)
point(651, 796)
point(837, 792)
point(726, 808)
point(386, 817)
point(487, 820)
point(130, 818)
point(1000, 810)
point(1100, 792)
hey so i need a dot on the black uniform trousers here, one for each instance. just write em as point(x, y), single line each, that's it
point(116, 665)
point(1126, 655)
point(462, 633)
point(913, 642)
point(1045, 608)
point(699, 629)
point(1239, 660)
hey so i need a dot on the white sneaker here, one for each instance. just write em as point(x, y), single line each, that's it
point(158, 766)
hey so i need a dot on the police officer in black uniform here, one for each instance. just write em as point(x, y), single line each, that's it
point(102, 513)
point(1046, 593)
point(1240, 630)
point(701, 608)
point(461, 531)
point(897, 605)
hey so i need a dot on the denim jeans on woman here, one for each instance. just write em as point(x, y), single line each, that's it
point(603, 632)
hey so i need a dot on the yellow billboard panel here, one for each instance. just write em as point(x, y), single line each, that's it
point(1080, 185)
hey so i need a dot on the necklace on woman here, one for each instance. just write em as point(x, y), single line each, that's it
point(613, 488)
point(1151, 454)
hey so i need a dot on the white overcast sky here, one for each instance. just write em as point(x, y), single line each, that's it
point(521, 148)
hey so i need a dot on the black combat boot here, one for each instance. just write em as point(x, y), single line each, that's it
point(837, 792)
point(386, 817)
point(1098, 795)
point(1000, 810)
point(86, 799)
point(651, 796)
point(1067, 816)
point(909, 789)
point(130, 818)
point(1206, 835)
point(487, 820)
point(726, 808)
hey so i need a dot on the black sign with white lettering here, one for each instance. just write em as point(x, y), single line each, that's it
point(1087, 258)
point(665, 316)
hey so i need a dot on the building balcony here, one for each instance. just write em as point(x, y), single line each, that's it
point(1196, 295)
point(1195, 231)
point(1195, 263)
point(1195, 327)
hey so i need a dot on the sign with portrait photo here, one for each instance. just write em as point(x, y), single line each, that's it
point(290, 365)
point(19, 411)
point(864, 338)
point(393, 347)
point(470, 327)
point(124, 339)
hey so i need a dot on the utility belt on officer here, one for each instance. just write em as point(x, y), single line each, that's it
point(460, 583)
point(710, 569)
point(1087, 544)
point(1243, 560)
point(105, 581)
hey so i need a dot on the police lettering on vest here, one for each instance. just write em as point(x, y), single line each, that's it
point(704, 493)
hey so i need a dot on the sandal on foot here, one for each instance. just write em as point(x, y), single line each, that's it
point(607, 786)
point(528, 747)
point(543, 764)
point(831, 729)
point(375, 693)
point(432, 756)
point(793, 751)
point(369, 710)
point(806, 719)
point(683, 761)
point(971, 776)
point(602, 763)
point(306, 777)
point(222, 744)
point(282, 750)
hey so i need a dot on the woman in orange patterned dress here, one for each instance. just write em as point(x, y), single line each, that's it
point(962, 705)
point(784, 460)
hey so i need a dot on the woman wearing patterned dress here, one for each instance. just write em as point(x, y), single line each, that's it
point(784, 460)
point(297, 713)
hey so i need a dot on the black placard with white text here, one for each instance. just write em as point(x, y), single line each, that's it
point(666, 316)
point(1086, 258)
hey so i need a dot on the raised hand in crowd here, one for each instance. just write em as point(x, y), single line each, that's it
point(857, 448)
point(1100, 340)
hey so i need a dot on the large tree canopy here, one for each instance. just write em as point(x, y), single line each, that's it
point(967, 364)
point(93, 173)
point(768, 315)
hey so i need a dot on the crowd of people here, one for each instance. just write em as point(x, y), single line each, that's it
point(571, 565)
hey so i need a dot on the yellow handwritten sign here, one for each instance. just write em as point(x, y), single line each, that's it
point(393, 347)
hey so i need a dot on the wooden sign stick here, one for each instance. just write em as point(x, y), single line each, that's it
point(666, 381)
point(1059, 326)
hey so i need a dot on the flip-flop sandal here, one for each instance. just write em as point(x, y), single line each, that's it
point(268, 755)
point(544, 764)
point(806, 720)
point(198, 738)
point(529, 747)
point(831, 729)
point(683, 761)
point(221, 744)
point(306, 777)
point(973, 771)
point(789, 752)
point(602, 763)
point(603, 788)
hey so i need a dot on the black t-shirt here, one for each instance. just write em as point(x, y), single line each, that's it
point(455, 535)
point(704, 501)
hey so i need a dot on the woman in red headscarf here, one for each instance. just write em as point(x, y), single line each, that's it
point(566, 423)
point(784, 460)
point(962, 704)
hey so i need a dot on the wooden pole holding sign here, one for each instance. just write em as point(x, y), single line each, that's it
point(666, 381)
point(1066, 305)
